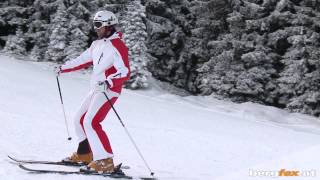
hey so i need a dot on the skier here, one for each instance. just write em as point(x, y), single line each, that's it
point(109, 57)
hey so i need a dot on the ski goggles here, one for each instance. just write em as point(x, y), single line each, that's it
point(98, 24)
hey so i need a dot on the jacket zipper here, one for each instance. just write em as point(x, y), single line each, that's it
point(100, 58)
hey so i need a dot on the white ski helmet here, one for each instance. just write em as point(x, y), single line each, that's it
point(104, 18)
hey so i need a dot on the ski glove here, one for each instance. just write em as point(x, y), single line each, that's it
point(57, 70)
point(103, 86)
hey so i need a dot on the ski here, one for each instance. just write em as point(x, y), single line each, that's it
point(45, 162)
point(119, 174)
point(62, 163)
point(20, 163)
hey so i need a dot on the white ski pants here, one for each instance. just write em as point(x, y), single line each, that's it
point(92, 112)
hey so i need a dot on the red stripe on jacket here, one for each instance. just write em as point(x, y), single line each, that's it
point(77, 67)
point(123, 50)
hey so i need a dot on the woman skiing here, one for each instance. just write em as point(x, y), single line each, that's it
point(109, 57)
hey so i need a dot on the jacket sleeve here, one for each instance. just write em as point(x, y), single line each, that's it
point(82, 61)
point(122, 73)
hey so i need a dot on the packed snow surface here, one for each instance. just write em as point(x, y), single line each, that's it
point(182, 138)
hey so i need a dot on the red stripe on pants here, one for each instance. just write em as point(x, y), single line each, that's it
point(81, 121)
point(98, 118)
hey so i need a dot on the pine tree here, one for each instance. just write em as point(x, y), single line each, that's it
point(78, 43)
point(58, 37)
point(79, 28)
point(246, 50)
point(16, 44)
point(38, 28)
point(35, 53)
point(135, 38)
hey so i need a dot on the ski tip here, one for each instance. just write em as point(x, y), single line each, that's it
point(13, 159)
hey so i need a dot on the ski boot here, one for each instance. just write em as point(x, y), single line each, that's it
point(79, 158)
point(100, 166)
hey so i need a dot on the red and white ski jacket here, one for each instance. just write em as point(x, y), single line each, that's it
point(109, 57)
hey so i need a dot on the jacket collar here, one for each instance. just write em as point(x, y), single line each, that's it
point(114, 36)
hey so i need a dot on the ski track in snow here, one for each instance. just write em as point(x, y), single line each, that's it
point(196, 138)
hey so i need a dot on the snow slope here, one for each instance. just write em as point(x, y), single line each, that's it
point(182, 138)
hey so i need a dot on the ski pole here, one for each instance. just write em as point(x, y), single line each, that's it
point(64, 112)
point(135, 145)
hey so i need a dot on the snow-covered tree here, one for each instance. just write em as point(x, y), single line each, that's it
point(58, 36)
point(244, 50)
point(39, 28)
point(16, 44)
point(37, 32)
point(135, 38)
point(79, 27)
point(265, 51)
point(35, 53)
point(78, 43)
